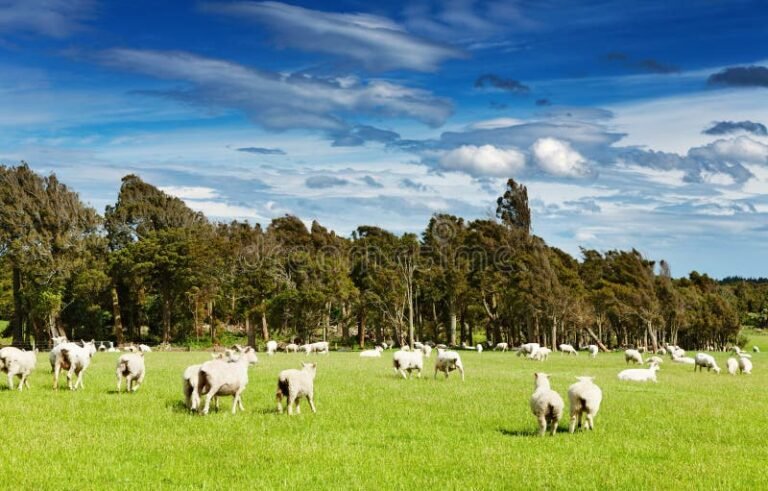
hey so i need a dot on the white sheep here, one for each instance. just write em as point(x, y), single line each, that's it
point(755, 349)
point(144, 348)
point(546, 404)
point(735, 349)
point(655, 359)
point(427, 350)
point(271, 347)
point(371, 353)
point(479, 348)
point(131, 367)
point(639, 374)
point(418, 345)
point(112, 348)
point(634, 356)
point(294, 384)
point(745, 365)
point(732, 365)
point(567, 348)
point(593, 350)
point(191, 376)
point(527, 349)
point(584, 398)
point(501, 347)
point(448, 361)
point(661, 351)
point(703, 361)
point(220, 377)
point(17, 363)
point(57, 340)
point(540, 354)
point(74, 359)
point(677, 353)
point(321, 347)
point(292, 348)
point(685, 360)
point(408, 361)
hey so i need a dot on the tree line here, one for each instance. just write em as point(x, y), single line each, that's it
point(152, 269)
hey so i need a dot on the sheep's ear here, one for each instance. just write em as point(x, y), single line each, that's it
point(314, 365)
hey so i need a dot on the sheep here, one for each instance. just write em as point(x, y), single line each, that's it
point(567, 348)
point(732, 365)
point(408, 361)
point(678, 353)
point(501, 347)
point(479, 348)
point(593, 350)
point(131, 367)
point(102, 348)
point(639, 374)
point(17, 363)
point(584, 398)
point(745, 365)
point(73, 358)
point(634, 356)
point(685, 360)
point(191, 375)
point(219, 377)
point(271, 347)
point(112, 348)
point(655, 359)
point(735, 349)
point(371, 353)
point(448, 361)
point(427, 350)
point(541, 354)
point(294, 384)
point(144, 348)
point(527, 349)
point(57, 340)
point(418, 345)
point(755, 349)
point(661, 351)
point(703, 361)
point(292, 348)
point(320, 347)
point(546, 404)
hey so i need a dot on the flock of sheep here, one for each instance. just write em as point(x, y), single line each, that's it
point(227, 373)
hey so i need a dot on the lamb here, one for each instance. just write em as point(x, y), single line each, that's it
point(448, 361)
point(271, 347)
point(745, 365)
point(686, 360)
point(408, 361)
point(479, 348)
point(57, 340)
point(17, 363)
point(567, 348)
point(321, 347)
point(73, 358)
point(661, 351)
point(541, 354)
point(546, 404)
point(593, 350)
point(527, 349)
point(735, 349)
point(655, 359)
point(130, 367)
point(677, 353)
point(634, 356)
point(501, 347)
point(584, 398)
point(292, 347)
point(732, 365)
point(418, 345)
point(371, 353)
point(703, 361)
point(219, 377)
point(427, 350)
point(144, 348)
point(112, 348)
point(294, 384)
point(639, 374)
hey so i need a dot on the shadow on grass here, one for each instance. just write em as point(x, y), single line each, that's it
point(178, 406)
point(526, 433)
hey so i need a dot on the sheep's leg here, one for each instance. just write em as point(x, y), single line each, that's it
point(25, 380)
point(129, 383)
point(418, 375)
point(119, 381)
point(69, 377)
point(461, 369)
point(279, 400)
point(297, 403)
point(137, 382)
point(554, 423)
point(79, 381)
point(590, 422)
point(435, 377)
point(311, 399)
point(10, 381)
point(216, 401)
point(211, 392)
point(238, 402)
point(572, 426)
point(290, 405)
point(56, 371)
point(542, 425)
point(402, 372)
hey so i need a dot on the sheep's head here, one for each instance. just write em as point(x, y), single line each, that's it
point(585, 379)
point(716, 369)
point(90, 347)
point(541, 379)
point(309, 368)
point(250, 355)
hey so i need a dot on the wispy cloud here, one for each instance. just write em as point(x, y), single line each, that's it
point(52, 18)
point(376, 42)
point(728, 127)
point(261, 150)
point(322, 182)
point(740, 76)
point(507, 84)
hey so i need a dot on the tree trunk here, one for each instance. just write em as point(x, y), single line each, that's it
point(18, 308)
point(410, 313)
point(596, 339)
point(264, 327)
point(250, 332)
point(344, 326)
point(166, 318)
point(652, 333)
point(452, 330)
point(361, 328)
point(554, 333)
point(117, 323)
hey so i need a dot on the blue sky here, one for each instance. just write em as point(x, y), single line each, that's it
point(635, 123)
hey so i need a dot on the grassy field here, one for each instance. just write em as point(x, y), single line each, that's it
point(376, 431)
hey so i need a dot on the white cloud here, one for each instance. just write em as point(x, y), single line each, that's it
point(483, 160)
point(219, 209)
point(556, 157)
point(376, 42)
point(190, 192)
point(741, 149)
point(53, 18)
point(490, 124)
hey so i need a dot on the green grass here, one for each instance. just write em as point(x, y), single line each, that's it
point(376, 431)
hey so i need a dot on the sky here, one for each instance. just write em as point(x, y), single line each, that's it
point(633, 123)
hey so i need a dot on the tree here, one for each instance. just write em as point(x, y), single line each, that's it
point(512, 207)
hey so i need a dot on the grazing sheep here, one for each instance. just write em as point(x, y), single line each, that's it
point(685, 360)
point(661, 351)
point(732, 365)
point(292, 348)
point(271, 347)
point(634, 356)
point(735, 349)
point(448, 361)
point(501, 347)
point(479, 348)
point(427, 350)
point(654, 359)
point(593, 350)
point(74, 359)
point(17, 363)
point(755, 349)
point(745, 365)
point(408, 361)
point(703, 361)
point(223, 378)
point(144, 348)
point(639, 374)
point(678, 353)
point(130, 367)
point(546, 404)
point(294, 384)
point(418, 345)
point(321, 347)
point(567, 348)
point(528, 349)
point(584, 398)
point(371, 353)
point(540, 354)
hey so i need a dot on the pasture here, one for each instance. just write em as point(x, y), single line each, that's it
point(374, 430)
